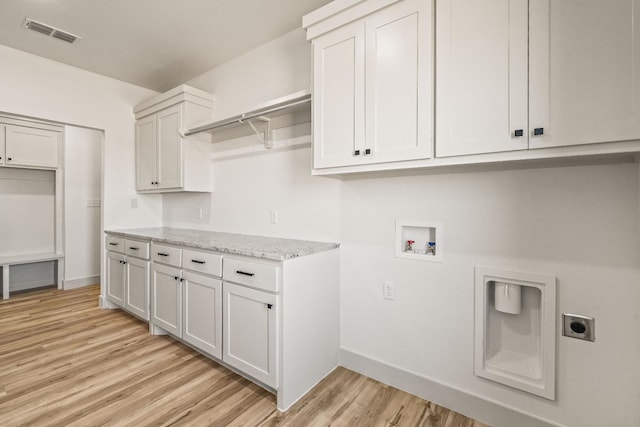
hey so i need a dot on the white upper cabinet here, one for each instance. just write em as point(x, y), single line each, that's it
point(481, 75)
point(165, 161)
point(170, 162)
point(30, 147)
point(372, 83)
point(516, 74)
point(146, 161)
point(399, 81)
point(338, 125)
point(584, 71)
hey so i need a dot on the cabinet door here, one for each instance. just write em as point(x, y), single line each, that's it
point(137, 289)
point(585, 71)
point(202, 313)
point(338, 97)
point(115, 278)
point(250, 332)
point(399, 80)
point(169, 147)
point(166, 299)
point(146, 148)
point(481, 76)
point(26, 146)
point(2, 133)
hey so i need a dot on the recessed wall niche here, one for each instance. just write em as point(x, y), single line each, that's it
point(419, 240)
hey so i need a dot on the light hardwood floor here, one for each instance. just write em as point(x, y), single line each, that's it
point(65, 362)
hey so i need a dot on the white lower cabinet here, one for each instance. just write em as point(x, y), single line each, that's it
point(186, 299)
point(128, 276)
point(251, 314)
point(202, 313)
point(115, 278)
point(137, 289)
point(250, 332)
point(166, 299)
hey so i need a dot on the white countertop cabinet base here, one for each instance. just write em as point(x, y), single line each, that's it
point(128, 275)
point(267, 308)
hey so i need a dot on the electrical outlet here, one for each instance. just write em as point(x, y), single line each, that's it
point(200, 213)
point(389, 291)
point(134, 203)
point(273, 216)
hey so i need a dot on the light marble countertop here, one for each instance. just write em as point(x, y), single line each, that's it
point(272, 248)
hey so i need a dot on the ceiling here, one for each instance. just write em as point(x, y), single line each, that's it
point(156, 44)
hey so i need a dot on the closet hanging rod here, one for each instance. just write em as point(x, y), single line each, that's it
point(242, 118)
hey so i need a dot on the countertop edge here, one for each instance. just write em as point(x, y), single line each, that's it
point(308, 247)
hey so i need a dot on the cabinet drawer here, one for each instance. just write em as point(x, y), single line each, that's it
point(254, 274)
point(115, 244)
point(167, 255)
point(136, 248)
point(204, 262)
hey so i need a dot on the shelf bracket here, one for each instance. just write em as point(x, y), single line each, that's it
point(266, 139)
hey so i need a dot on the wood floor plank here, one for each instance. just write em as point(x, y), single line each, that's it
point(66, 362)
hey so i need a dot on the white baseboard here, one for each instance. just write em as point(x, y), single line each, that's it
point(465, 403)
point(16, 287)
point(104, 303)
point(80, 282)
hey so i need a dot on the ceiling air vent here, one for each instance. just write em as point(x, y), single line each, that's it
point(50, 31)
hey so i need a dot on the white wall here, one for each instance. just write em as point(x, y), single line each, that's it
point(82, 182)
point(27, 211)
point(580, 224)
point(41, 88)
point(37, 87)
point(248, 180)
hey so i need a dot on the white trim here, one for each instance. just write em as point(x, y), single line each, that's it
point(81, 281)
point(104, 303)
point(28, 286)
point(469, 404)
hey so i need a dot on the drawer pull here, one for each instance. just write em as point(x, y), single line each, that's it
point(134, 248)
point(162, 254)
point(113, 244)
point(244, 273)
point(197, 261)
